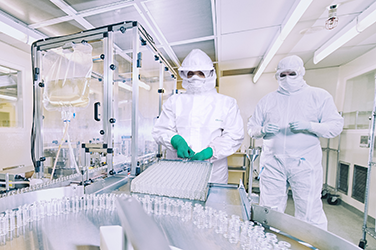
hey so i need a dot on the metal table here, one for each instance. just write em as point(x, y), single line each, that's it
point(80, 230)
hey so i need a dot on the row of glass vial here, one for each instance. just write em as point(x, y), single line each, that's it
point(250, 235)
point(49, 183)
point(166, 206)
point(21, 216)
point(174, 179)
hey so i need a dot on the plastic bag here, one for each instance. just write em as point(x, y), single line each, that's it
point(66, 73)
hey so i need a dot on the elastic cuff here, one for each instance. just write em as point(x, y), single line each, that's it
point(214, 152)
point(313, 126)
point(169, 139)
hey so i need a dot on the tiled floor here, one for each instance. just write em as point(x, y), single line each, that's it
point(342, 222)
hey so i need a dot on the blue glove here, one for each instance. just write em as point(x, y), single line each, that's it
point(203, 155)
point(270, 129)
point(181, 147)
point(300, 125)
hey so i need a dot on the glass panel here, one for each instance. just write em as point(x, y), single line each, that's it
point(358, 103)
point(168, 85)
point(11, 112)
point(148, 102)
point(69, 122)
point(123, 97)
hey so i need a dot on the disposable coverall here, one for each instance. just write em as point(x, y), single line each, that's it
point(202, 117)
point(291, 154)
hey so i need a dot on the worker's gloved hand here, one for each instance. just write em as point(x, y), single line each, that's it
point(181, 147)
point(270, 129)
point(300, 125)
point(203, 155)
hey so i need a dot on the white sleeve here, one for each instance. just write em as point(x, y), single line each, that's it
point(232, 134)
point(165, 126)
point(330, 121)
point(255, 123)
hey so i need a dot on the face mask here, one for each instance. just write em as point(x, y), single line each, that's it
point(291, 84)
point(196, 84)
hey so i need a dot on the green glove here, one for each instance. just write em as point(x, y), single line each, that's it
point(203, 155)
point(181, 147)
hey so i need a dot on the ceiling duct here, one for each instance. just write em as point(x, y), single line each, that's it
point(236, 72)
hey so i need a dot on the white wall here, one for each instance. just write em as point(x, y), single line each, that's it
point(15, 142)
point(351, 152)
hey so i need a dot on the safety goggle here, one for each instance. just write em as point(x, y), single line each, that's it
point(199, 73)
point(282, 74)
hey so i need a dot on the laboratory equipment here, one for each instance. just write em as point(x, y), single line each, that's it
point(368, 230)
point(173, 178)
point(111, 143)
point(88, 91)
point(333, 197)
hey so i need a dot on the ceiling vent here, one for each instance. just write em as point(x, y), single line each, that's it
point(236, 72)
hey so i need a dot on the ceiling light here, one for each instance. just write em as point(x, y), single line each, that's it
point(293, 19)
point(355, 27)
point(368, 20)
point(10, 31)
point(332, 46)
point(14, 28)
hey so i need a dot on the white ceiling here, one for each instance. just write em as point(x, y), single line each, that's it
point(234, 33)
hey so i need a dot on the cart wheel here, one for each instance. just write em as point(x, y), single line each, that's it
point(362, 244)
point(333, 200)
point(324, 194)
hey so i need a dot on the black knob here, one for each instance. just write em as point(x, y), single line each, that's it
point(112, 67)
point(41, 84)
point(112, 120)
point(101, 132)
point(102, 56)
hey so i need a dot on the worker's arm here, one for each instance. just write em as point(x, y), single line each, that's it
point(255, 123)
point(165, 126)
point(232, 134)
point(330, 121)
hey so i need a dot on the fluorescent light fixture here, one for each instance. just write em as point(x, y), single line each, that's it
point(273, 50)
point(354, 28)
point(13, 28)
point(332, 46)
point(293, 19)
point(13, 32)
point(9, 98)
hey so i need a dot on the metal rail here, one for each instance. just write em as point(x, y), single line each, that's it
point(363, 241)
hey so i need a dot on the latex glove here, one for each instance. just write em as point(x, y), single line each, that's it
point(181, 147)
point(270, 129)
point(203, 155)
point(300, 125)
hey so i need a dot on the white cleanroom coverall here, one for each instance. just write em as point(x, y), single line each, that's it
point(290, 121)
point(202, 117)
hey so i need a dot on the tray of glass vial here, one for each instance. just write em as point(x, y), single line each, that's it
point(173, 178)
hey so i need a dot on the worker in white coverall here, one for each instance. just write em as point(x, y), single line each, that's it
point(290, 121)
point(200, 124)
